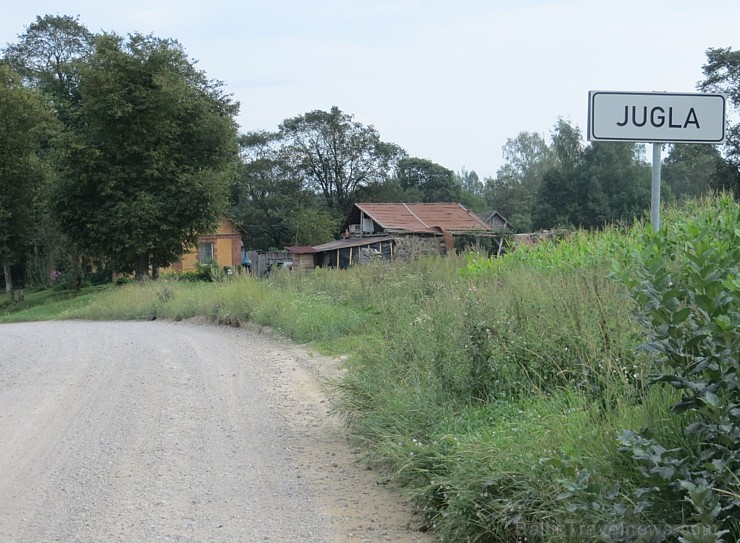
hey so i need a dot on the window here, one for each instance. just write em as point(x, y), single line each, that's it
point(205, 252)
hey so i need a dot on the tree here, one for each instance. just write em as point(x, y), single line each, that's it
point(336, 155)
point(25, 124)
point(470, 182)
point(313, 226)
point(514, 189)
point(527, 158)
point(591, 187)
point(425, 181)
point(388, 190)
point(473, 189)
point(564, 197)
point(617, 171)
point(722, 74)
point(511, 199)
point(46, 54)
point(147, 168)
point(689, 170)
point(267, 195)
point(567, 149)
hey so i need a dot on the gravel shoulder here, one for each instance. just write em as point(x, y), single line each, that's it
point(186, 432)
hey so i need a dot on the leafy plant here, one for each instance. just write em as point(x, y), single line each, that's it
point(685, 282)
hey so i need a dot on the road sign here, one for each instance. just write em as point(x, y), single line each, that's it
point(656, 117)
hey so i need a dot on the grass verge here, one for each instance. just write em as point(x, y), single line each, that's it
point(497, 393)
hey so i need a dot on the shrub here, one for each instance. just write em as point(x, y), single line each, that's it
point(209, 271)
point(686, 282)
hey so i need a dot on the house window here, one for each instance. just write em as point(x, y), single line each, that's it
point(205, 252)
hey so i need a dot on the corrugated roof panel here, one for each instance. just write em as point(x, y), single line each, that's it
point(431, 217)
point(301, 250)
point(352, 242)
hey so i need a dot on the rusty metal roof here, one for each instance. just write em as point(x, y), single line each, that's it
point(418, 218)
point(352, 242)
point(301, 250)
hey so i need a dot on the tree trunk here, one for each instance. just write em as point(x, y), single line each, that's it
point(142, 268)
point(78, 270)
point(8, 282)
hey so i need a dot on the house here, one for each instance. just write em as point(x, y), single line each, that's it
point(419, 229)
point(392, 231)
point(342, 253)
point(224, 246)
point(404, 219)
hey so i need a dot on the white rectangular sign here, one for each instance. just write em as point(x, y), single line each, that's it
point(659, 117)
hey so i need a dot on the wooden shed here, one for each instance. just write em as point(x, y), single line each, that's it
point(304, 257)
point(344, 253)
point(496, 221)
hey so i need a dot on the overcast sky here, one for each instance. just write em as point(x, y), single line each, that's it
point(449, 81)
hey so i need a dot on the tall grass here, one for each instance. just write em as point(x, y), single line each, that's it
point(492, 390)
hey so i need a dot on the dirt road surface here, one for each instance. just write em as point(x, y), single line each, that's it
point(161, 431)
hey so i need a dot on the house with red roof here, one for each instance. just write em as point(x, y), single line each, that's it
point(391, 231)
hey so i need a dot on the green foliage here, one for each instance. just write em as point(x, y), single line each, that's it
point(507, 396)
point(512, 199)
point(685, 283)
point(46, 53)
point(297, 185)
point(606, 183)
point(689, 171)
point(26, 124)
point(266, 194)
point(336, 155)
point(567, 185)
point(425, 181)
point(722, 74)
point(148, 166)
point(209, 271)
point(513, 190)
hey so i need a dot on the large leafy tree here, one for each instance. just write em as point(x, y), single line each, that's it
point(591, 187)
point(148, 167)
point(722, 74)
point(514, 189)
point(561, 199)
point(690, 170)
point(271, 202)
point(336, 155)
point(25, 124)
point(618, 171)
point(426, 181)
point(470, 182)
point(47, 53)
point(46, 56)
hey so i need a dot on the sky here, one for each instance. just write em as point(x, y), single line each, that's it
point(450, 81)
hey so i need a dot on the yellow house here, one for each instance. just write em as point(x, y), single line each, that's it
point(224, 247)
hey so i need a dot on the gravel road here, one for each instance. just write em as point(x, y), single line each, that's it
point(162, 431)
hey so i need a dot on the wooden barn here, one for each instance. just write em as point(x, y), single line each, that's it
point(496, 221)
point(390, 231)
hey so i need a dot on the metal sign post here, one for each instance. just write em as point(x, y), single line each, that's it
point(655, 193)
point(657, 118)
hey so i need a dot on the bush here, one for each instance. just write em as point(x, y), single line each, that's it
point(686, 282)
point(209, 271)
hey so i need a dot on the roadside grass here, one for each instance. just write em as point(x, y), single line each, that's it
point(50, 304)
point(493, 391)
